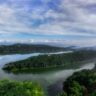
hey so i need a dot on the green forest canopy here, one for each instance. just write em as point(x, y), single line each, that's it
point(14, 88)
point(80, 84)
point(68, 60)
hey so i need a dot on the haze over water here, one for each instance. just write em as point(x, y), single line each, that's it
point(46, 78)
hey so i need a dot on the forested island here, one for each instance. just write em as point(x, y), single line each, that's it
point(45, 62)
point(16, 88)
point(30, 48)
point(81, 83)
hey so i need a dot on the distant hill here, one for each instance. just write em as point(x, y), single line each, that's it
point(29, 48)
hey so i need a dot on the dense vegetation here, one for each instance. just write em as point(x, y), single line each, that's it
point(28, 48)
point(50, 61)
point(13, 88)
point(81, 84)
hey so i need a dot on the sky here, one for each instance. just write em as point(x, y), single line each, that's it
point(65, 22)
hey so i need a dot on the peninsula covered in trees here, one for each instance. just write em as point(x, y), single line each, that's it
point(30, 48)
point(44, 62)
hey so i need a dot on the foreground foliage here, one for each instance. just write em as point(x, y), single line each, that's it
point(81, 84)
point(13, 88)
point(68, 60)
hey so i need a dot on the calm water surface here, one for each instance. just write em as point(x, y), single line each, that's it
point(51, 80)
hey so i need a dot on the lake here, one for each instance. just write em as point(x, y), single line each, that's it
point(51, 81)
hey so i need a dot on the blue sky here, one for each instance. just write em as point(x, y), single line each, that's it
point(65, 22)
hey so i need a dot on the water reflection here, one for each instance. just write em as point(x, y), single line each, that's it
point(47, 78)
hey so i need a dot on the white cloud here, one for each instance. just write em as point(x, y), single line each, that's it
point(73, 18)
